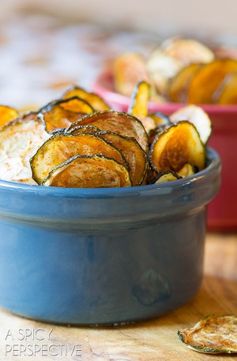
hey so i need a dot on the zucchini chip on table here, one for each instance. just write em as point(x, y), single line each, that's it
point(89, 172)
point(59, 114)
point(214, 335)
point(116, 122)
point(93, 99)
point(61, 147)
point(176, 146)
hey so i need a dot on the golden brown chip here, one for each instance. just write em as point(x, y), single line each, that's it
point(116, 122)
point(128, 70)
point(93, 99)
point(186, 171)
point(89, 172)
point(176, 146)
point(187, 50)
point(7, 114)
point(83, 129)
point(214, 335)
point(61, 147)
point(207, 80)
point(198, 117)
point(179, 84)
point(60, 114)
point(228, 90)
point(174, 54)
point(129, 147)
point(132, 152)
point(167, 177)
point(140, 99)
point(19, 140)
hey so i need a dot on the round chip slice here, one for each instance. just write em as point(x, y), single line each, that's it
point(174, 54)
point(129, 147)
point(89, 172)
point(179, 84)
point(61, 147)
point(213, 334)
point(60, 114)
point(186, 171)
point(187, 50)
point(167, 177)
point(206, 81)
point(228, 90)
point(7, 114)
point(116, 122)
point(19, 140)
point(176, 146)
point(140, 99)
point(132, 152)
point(93, 99)
point(198, 117)
point(128, 70)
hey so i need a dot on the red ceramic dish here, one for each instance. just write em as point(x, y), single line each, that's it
point(222, 213)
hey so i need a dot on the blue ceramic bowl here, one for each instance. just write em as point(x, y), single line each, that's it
point(103, 256)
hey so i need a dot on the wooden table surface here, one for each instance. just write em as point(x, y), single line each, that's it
point(148, 341)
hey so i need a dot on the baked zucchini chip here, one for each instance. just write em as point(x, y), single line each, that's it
point(214, 335)
point(93, 99)
point(187, 51)
point(89, 172)
point(176, 146)
point(128, 70)
point(61, 147)
point(83, 129)
point(129, 147)
point(140, 99)
point(167, 177)
point(228, 90)
point(7, 114)
point(132, 152)
point(116, 122)
point(160, 119)
point(186, 171)
point(198, 117)
point(19, 140)
point(207, 80)
point(179, 84)
point(60, 114)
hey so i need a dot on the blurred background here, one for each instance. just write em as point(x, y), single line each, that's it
point(47, 45)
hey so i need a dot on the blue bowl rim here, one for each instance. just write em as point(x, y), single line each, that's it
point(212, 156)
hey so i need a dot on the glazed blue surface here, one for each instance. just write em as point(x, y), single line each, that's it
point(102, 256)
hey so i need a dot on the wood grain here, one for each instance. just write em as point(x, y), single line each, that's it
point(154, 340)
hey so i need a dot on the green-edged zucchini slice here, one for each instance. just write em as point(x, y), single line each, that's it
point(176, 146)
point(61, 147)
point(116, 122)
point(140, 99)
point(93, 99)
point(198, 117)
point(213, 334)
point(59, 114)
point(129, 147)
point(89, 172)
